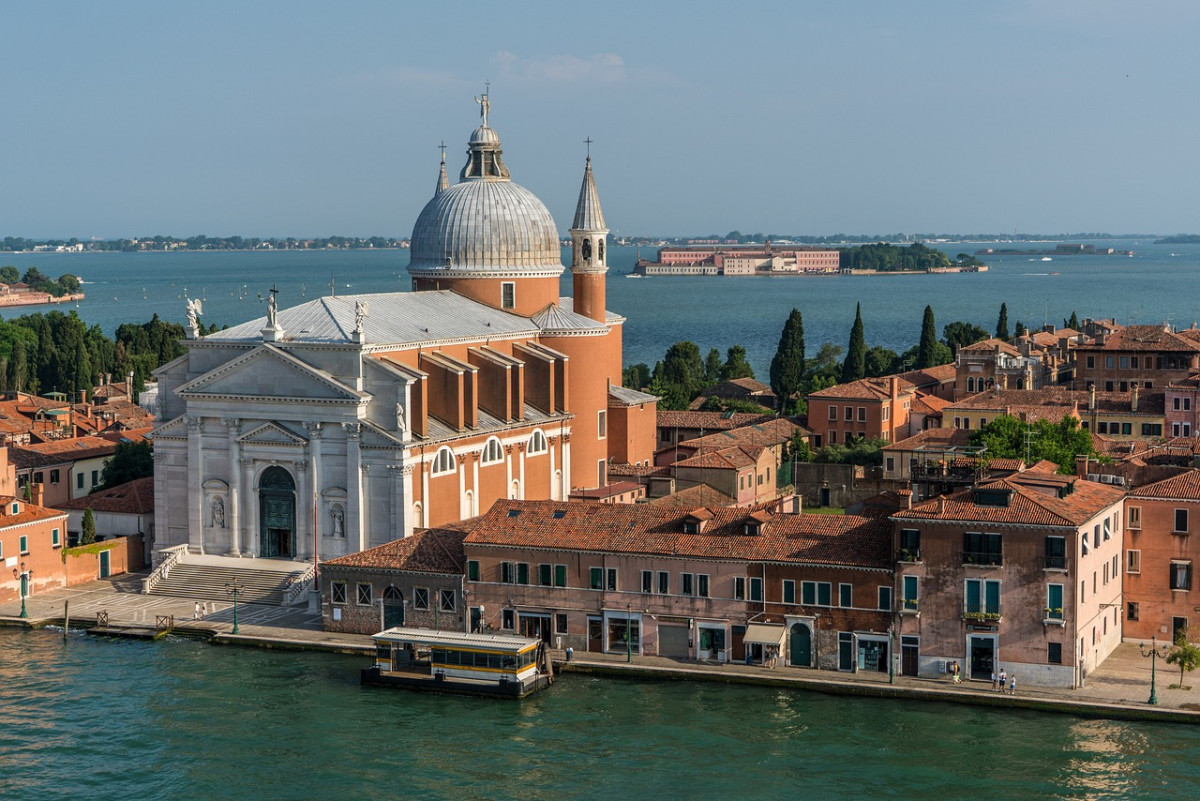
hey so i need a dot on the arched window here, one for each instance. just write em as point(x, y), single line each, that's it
point(444, 461)
point(493, 451)
point(537, 442)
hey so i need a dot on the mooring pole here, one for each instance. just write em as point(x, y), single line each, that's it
point(66, 618)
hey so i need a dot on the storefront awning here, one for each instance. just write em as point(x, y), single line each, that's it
point(764, 634)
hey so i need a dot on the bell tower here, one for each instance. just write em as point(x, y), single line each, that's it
point(589, 257)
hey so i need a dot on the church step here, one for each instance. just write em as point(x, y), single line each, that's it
point(208, 582)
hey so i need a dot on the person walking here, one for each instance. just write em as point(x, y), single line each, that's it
point(1012, 684)
point(196, 612)
point(957, 674)
point(1003, 679)
point(993, 681)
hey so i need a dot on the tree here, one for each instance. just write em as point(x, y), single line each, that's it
point(635, 376)
point(855, 366)
point(130, 460)
point(1002, 323)
point(881, 361)
point(1184, 654)
point(87, 534)
point(926, 353)
point(787, 366)
point(959, 334)
point(1019, 330)
point(1006, 437)
point(9, 274)
point(712, 367)
point(736, 365)
point(1072, 322)
point(683, 367)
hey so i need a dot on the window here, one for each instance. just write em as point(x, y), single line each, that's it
point(55, 538)
point(508, 294)
point(560, 575)
point(24, 544)
point(702, 585)
point(849, 414)
point(1054, 653)
point(443, 462)
point(833, 436)
point(337, 592)
point(910, 597)
point(789, 591)
point(756, 588)
point(392, 594)
point(1151, 429)
point(472, 570)
point(1181, 521)
point(446, 600)
point(545, 575)
point(982, 598)
point(1181, 575)
point(739, 588)
point(1135, 517)
point(596, 578)
point(862, 414)
point(832, 412)
point(602, 472)
point(808, 593)
point(982, 549)
point(846, 595)
point(54, 476)
point(95, 478)
point(1131, 610)
point(885, 598)
point(910, 545)
point(824, 593)
point(420, 598)
point(612, 579)
point(507, 619)
point(1108, 362)
point(38, 478)
point(522, 572)
point(560, 623)
point(1056, 553)
point(78, 481)
point(890, 463)
point(1116, 566)
point(493, 451)
point(686, 581)
point(537, 443)
point(647, 581)
point(362, 594)
point(1054, 602)
point(508, 573)
point(664, 582)
point(602, 423)
point(1091, 361)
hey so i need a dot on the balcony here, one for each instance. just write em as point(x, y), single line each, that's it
point(981, 613)
point(909, 606)
point(1054, 617)
point(982, 559)
point(909, 555)
point(1055, 563)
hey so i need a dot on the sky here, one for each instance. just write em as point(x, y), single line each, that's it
point(306, 118)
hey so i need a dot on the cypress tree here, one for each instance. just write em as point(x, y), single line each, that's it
point(787, 366)
point(87, 534)
point(1020, 330)
point(927, 350)
point(1002, 323)
point(855, 366)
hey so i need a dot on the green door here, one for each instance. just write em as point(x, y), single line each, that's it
point(105, 565)
point(801, 655)
point(277, 510)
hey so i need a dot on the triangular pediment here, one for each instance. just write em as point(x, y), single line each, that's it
point(268, 373)
point(376, 437)
point(271, 434)
point(172, 429)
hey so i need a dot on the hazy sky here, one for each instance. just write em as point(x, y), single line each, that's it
point(314, 118)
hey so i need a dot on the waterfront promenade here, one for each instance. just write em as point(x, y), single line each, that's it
point(1119, 688)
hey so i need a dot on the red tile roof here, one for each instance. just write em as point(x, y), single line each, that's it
point(691, 497)
point(133, 497)
point(29, 513)
point(645, 529)
point(1145, 338)
point(709, 421)
point(727, 459)
point(1034, 501)
point(435, 550)
point(775, 431)
point(864, 389)
point(990, 346)
point(607, 491)
point(932, 438)
point(1183, 487)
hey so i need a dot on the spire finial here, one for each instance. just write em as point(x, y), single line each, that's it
point(442, 147)
point(484, 103)
point(588, 142)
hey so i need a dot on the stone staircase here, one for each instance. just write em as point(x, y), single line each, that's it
point(206, 581)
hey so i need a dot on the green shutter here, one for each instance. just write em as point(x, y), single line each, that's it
point(544, 575)
point(993, 597)
point(522, 572)
point(973, 596)
point(597, 578)
point(473, 570)
point(560, 575)
point(789, 592)
point(808, 593)
point(824, 594)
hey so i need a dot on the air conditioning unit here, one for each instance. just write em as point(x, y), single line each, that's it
point(1093, 477)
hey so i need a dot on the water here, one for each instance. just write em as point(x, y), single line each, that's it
point(1160, 283)
point(107, 719)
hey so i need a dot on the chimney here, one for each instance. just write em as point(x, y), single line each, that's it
point(1133, 399)
point(35, 494)
point(941, 504)
point(1092, 398)
point(894, 387)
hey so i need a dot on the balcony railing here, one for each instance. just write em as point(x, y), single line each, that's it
point(982, 558)
point(1053, 562)
point(982, 613)
point(908, 555)
point(909, 606)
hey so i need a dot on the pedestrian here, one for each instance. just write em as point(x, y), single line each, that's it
point(993, 680)
point(1012, 684)
point(957, 674)
point(196, 612)
point(1003, 679)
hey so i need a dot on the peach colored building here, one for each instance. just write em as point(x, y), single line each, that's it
point(870, 408)
point(1161, 589)
point(1144, 356)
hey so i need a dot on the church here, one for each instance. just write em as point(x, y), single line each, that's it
point(348, 422)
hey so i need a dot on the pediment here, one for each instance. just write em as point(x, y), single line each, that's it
point(376, 437)
point(271, 434)
point(268, 373)
point(172, 429)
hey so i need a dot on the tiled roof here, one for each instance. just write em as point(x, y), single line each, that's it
point(761, 435)
point(29, 513)
point(133, 497)
point(709, 421)
point(749, 384)
point(932, 438)
point(929, 404)
point(1033, 501)
point(864, 389)
point(638, 470)
point(607, 491)
point(1145, 338)
point(71, 449)
point(1040, 466)
point(931, 376)
point(1054, 402)
point(1183, 487)
point(990, 346)
point(691, 497)
point(650, 529)
point(435, 550)
point(727, 459)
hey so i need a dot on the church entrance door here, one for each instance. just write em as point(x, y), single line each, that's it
point(277, 511)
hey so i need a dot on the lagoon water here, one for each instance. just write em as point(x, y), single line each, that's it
point(178, 719)
point(1160, 283)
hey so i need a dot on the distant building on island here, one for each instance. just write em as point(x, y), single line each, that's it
point(741, 260)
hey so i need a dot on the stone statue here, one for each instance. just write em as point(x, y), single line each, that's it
point(361, 311)
point(339, 520)
point(218, 512)
point(484, 106)
point(194, 309)
point(272, 309)
point(399, 416)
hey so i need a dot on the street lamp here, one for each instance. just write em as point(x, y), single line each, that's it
point(628, 629)
point(233, 589)
point(1154, 654)
point(25, 576)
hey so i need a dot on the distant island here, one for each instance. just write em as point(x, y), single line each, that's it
point(34, 289)
point(1179, 239)
point(18, 244)
point(1057, 250)
point(779, 260)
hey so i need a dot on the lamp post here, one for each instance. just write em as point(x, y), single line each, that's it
point(1154, 654)
point(25, 576)
point(233, 589)
point(891, 655)
point(628, 630)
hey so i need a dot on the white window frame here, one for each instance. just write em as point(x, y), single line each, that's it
point(444, 462)
point(602, 424)
point(493, 452)
point(509, 288)
point(537, 443)
point(1133, 561)
point(1135, 518)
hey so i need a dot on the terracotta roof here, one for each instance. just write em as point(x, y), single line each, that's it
point(749, 384)
point(29, 513)
point(864, 389)
point(1034, 501)
point(709, 421)
point(133, 497)
point(1041, 466)
point(71, 450)
point(638, 470)
point(648, 529)
point(990, 346)
point(435, 550)
point(932, 438)
point(607, 491)
point(726, 459)
point(1183, 487)
point(931, 376)
point(1145, 338)
point(928, 404)
point(1054, 402)
point(775, 431)
point(691, 497)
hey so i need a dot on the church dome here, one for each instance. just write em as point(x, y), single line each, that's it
point(485, 225)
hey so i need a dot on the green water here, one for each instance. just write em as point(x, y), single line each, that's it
point(104, 719)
